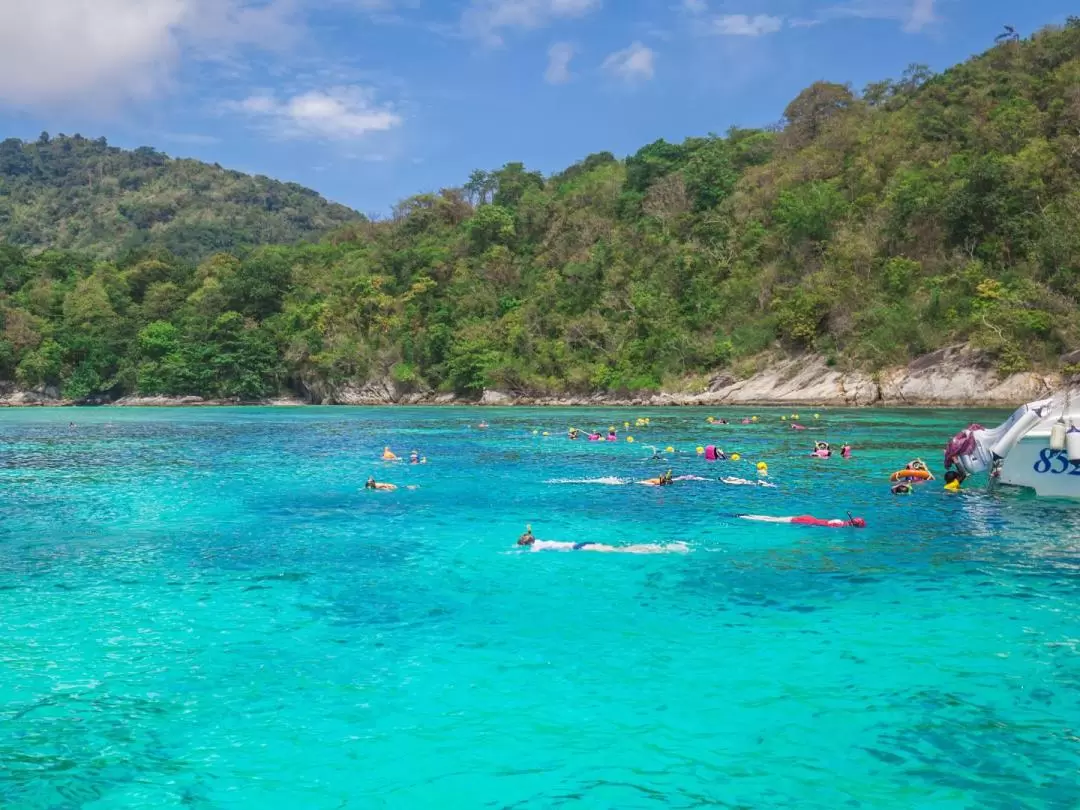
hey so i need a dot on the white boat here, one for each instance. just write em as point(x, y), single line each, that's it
point(1038, 447)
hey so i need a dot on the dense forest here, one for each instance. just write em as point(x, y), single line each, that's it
point(867, 227)
point(75, 193)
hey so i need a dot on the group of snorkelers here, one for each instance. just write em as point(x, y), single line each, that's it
point(916, 472)
point(388, 455)
point(824, 450)
point(593, 436)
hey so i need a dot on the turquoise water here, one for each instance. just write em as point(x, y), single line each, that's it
point(202, 609)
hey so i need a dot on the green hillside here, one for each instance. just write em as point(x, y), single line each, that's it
point(74, 193)
point(871, 228)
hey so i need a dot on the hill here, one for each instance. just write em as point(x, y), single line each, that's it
point(868, 229)
point(75, 193)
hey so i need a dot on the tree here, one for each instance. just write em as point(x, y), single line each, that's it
point(808, 113)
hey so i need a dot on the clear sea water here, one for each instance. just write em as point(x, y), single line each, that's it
point(203, 609)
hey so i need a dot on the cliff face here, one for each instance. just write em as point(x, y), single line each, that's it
point(952, 377)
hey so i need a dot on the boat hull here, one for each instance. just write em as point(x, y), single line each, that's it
point(1032, 464)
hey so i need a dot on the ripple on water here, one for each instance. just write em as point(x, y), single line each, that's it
point(204, 609)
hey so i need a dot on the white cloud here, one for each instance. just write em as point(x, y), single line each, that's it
point(695, 6)
point(487, 19)
point(632, 64)
point(559, 57)
point(337, 114)
point(915, 15)
point(105, 52)
point(922, 15)
point(743, 25)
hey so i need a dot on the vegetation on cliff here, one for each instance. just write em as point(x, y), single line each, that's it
point(75, 193)
point(871, 228)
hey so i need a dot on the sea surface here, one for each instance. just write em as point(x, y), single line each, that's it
point(203, 608)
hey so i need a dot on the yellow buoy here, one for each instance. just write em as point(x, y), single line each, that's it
point(783, 418)
point(669, 449)
point(626, 425)
point(817, 415)
point(735, 457)
point(753, 419)
point(546, 433)
point(630, 439)
point(762, 466)
point(701, 451)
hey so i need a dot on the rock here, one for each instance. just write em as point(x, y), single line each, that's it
point(492, 397)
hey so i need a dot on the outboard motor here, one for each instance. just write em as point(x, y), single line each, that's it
point(977, 449)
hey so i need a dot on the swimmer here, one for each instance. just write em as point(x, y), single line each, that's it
point(664, 480)
point(388, 455)
point(612, 436)
point(743, 482)
point(483, 425)
point(414, 457)
point(573, 433)
point(845, 451)
point(807, 520)
point(379, 486)
point(953, 480)
point(641, 548)
point(904, 488)
point(528, 538)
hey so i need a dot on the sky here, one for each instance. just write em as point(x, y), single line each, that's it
point(371, 101)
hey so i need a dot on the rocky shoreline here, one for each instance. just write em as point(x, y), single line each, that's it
point(953, 377)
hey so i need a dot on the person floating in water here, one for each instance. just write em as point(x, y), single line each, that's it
point(822, 450)
point(573, 433)
point(808, 520)
point(845, 451)
point(903, 488)
point(529, 541)
point(953, 480)
point(664, 480)
point(612, 435)
point(379, 486)
point(416, 458)
point(388, 455)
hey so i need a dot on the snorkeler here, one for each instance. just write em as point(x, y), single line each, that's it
point(664, 480)
point(388, 455)
point(529, 541)
point(573, 433)
point(379, 486)
point(845, 451)
point(953, 480)
point(807, 520)
point(903, 488)
point(743, 482)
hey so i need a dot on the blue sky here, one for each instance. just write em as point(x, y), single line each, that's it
point(370, 101)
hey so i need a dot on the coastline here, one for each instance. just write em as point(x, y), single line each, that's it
point(952, 377)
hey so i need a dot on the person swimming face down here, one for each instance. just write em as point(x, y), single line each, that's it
point(528, 538)
point(370, 483)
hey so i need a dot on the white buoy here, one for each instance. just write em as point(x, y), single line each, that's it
point(1072, 443)
point(1057, 435)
